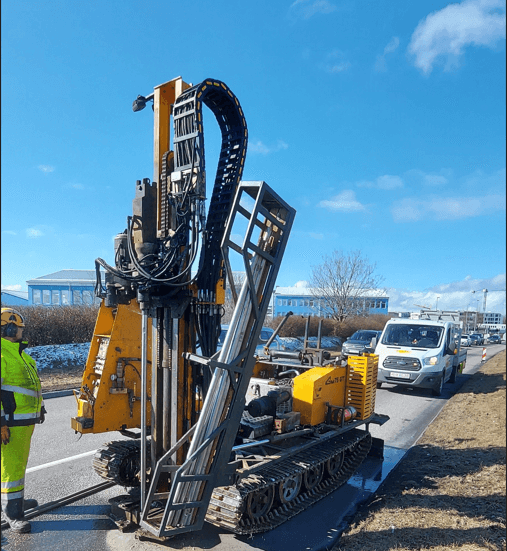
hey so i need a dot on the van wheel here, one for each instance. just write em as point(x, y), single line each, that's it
point(437, 391)
point(452, 378)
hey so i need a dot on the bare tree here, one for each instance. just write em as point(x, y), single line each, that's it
point(342, 285)
point(228, 307)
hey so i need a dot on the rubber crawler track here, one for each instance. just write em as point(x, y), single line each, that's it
point(227, 506)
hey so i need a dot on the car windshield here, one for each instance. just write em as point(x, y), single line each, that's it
point(423, 336)
point(265, 335)
point(363, 336)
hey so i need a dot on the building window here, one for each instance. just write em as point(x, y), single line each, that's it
point(279, 302)
point(36, 296)
point(65, 297)
point(307, 303)
point(46, 296)
point(55, 296)
point(76, 297)
point(285, 302)
point(383, 304)
point(87, 297)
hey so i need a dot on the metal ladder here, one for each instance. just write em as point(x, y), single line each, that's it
point(206, 465)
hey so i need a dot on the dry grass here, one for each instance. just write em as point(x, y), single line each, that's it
point(449, 491)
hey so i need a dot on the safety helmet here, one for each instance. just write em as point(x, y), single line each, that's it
point(11, 316)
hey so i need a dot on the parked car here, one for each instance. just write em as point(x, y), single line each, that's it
point(465, 340)
point(356, 344)
point(477, 339)
point(495, 339)
point(264, 337)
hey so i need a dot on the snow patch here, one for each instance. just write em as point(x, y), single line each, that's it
point(59, 356)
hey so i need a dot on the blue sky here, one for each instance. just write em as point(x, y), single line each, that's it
point(382, 123)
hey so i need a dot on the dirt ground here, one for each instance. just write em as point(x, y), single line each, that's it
point(61, 379)
point(449, 491)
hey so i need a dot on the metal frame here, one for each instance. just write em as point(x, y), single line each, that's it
point(212, 438)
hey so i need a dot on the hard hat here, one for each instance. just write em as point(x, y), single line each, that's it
point(11, 316)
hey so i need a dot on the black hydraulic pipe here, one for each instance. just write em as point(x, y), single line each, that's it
point(277, 330)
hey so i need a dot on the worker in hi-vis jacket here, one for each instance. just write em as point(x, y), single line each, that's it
point(22, 409)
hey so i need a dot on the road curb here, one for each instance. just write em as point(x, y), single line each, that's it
point(57, 394)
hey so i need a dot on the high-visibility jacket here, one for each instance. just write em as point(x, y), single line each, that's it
point(21, 387)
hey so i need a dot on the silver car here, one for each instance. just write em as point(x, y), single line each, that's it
point(465, 340)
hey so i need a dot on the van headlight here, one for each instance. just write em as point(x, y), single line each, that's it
point(430, 361)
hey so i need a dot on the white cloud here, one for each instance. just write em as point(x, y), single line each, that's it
point(305, 9)
point(11, 287)
point(418, 178)
point(33, 233)
point(444, 34)
point(263, 149)
point(318, 236)
point(335, 62)
point(46, 168)
point(383, 182)
point(76, 186)
point(457, 295)
point(392, 45)
point(445, 208)
point(345, 201)
point(9, 232)
point(301, 283)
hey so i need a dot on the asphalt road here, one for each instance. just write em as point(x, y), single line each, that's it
point(60, 464)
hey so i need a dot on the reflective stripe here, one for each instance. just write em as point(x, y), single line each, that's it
point(21, 390)
point(13, 495)
point(20, 416)
point(13, 483)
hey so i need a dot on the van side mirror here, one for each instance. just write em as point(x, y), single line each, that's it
point(372, 345)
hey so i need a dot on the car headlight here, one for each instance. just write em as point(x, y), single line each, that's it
point(430, 361)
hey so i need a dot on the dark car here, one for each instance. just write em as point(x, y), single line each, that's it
point(477, 339)
point(266, 333)
point(356, 344)
point(495, 339)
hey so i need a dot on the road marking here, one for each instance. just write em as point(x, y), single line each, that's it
point(53, 463)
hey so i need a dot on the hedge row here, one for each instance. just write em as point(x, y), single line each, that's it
point(75, 324)
point(58, 324)
point(295, 325)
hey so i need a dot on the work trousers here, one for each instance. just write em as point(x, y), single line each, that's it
point(14, 461)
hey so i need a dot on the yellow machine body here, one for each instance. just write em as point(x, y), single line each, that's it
point(316, 387)
point(109, 399)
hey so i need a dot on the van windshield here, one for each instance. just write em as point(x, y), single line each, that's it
point(422, 336)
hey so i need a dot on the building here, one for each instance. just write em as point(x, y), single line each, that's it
point(14, 298)
point(492, 318)
point(302, 302)
point(63, 288)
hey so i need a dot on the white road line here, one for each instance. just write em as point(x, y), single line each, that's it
point(53, 463)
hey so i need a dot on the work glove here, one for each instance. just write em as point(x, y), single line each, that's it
point(42, 417)
point(6, 434)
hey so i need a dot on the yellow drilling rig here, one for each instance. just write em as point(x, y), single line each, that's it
point(223, 436)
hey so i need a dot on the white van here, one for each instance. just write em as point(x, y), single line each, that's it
point(422, 353)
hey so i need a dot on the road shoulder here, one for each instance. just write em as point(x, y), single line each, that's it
point(449, 490)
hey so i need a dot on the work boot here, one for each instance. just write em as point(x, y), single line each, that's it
point(12, 512)
point(30, 504)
